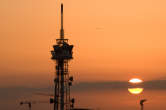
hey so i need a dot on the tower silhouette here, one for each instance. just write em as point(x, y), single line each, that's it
point(62, 54)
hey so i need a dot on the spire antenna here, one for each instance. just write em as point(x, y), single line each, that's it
point(62, 30)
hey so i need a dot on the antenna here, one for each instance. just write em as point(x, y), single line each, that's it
point(62, 30)
point(62, 53)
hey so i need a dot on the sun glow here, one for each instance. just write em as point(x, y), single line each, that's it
point(135, 80)
point(135, 90)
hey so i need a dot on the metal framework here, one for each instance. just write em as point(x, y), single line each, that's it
point(61, 54)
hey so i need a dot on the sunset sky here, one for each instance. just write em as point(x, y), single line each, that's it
point(114, 40)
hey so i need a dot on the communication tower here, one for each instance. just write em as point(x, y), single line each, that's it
point(61, 54)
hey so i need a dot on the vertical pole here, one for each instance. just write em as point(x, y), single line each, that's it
point(62, 30)
point(142, 103)
point(142, 107)
point(30, 105)
point(62, 84)
point(55, 89)
point(56, 86)
point(55, 99)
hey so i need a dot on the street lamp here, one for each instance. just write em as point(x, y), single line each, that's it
point(142, 103)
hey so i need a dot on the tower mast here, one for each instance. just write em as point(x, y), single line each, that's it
point(62, 30)
point(61, 54)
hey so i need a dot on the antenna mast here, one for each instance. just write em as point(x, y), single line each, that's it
point(61, 54)
point(62, 30)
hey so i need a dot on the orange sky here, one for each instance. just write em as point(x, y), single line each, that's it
point(113, 39)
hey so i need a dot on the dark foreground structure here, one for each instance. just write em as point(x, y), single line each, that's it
point(62, 54)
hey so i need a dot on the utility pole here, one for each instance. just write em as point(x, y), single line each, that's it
point(142, 103)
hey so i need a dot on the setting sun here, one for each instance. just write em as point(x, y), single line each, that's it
point(135, 80)
point(135, 90)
